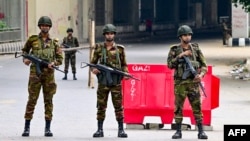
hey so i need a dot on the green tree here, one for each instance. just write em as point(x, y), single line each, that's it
point(245, 4)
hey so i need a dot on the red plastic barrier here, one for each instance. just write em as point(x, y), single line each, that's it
point(154, 94)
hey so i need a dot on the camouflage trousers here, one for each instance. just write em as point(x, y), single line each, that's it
point(191, 91)
point(70, 58)
point(47, 82)
point(224, 38)
point(102, 100)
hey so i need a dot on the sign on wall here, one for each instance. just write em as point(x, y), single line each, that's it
point(239, 22)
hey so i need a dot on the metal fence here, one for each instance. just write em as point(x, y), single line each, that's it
point(7, 48)
point(12, 25)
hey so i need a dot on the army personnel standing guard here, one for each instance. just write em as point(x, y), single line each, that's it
point(70, 56)
point(45, 48)
point(187, 87)
point(226, 31)
point(113, 55)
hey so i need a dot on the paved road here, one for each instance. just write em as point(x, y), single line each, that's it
point(75, 103)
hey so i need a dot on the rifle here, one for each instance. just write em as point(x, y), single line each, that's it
point(69, 48)
point(190, 69)
point(38, 62)
point(108, 71)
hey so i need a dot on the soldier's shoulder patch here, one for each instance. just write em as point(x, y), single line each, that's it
point(99, 45)
point(56, 39)
point(195, 44)
point(120, 46)
point(33, 38)
point(174, 46)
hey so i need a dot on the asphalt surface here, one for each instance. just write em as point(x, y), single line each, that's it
point(75, 103)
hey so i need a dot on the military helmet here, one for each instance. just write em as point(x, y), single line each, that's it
point(184, 29)
point(45, 20)
point(109, 28)
point(69, 30)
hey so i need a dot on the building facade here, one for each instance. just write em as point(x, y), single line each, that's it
point(128, 15)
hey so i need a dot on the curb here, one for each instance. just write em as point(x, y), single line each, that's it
point(239, 42)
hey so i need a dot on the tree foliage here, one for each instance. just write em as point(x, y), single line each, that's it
point(245, 4)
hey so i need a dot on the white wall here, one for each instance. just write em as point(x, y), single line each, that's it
point(63, 14)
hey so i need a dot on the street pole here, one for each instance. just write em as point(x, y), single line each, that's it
point(91, 51)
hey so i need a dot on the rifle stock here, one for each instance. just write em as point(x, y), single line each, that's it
point(38, 62)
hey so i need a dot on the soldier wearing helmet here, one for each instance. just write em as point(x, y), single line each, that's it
point(226, 32)
point(44, 21)
point(108, 28)
point(45, 48)
point(70, 56)
point(185, 29)
point(188, 87)
point(113, 55)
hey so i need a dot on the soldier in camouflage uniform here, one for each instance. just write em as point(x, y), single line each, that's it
point(70, 56)
point(226, 31)
point(43, 47)
point(189, 87)
point(113, 55)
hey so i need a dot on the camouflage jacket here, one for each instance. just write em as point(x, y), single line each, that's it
point(115, 57)
point(48, 50)
point(72, 42)
point(197, 59)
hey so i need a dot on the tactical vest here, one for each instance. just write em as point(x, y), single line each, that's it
point(116, 63)
point(70, 43)
point(42, 50)
point(182, 66)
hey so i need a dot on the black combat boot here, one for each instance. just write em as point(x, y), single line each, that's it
point(177, 134)
point(65, 77)
point(26, 131)
point(74, 76)
point(201, 133)
point(47, 131)
point(99, 132)
point(121, 132)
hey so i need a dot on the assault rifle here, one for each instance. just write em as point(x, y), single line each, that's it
point(190, 69)
point(38, 62)
point(66, 46)
point(69, 48)
point(108, 71)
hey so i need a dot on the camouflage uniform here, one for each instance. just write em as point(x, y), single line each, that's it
point(115, 57)
point(186, 88)
point(70, 56)
point(50, 52)
point(226, 33)
point(47, 49)
point(112, 55)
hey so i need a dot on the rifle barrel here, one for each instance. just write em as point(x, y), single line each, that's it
point(106, 68)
